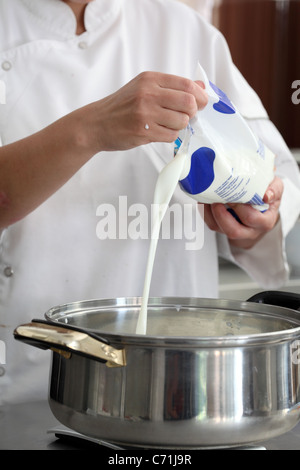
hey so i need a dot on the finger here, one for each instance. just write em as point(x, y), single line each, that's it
point(254, 219)
point(202, 97)
point(210, 220)
point(175, 82)
point(178, 101)
point(159, 133)
point(172, 119)
point(267, 220)
point(230, 226)
point(187, 87)
point(163, 125)
point(200, 83)
point(274, 191)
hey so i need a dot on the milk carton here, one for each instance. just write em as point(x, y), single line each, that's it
point(226, 162)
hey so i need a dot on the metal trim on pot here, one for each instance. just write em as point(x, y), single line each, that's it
point(261, 304)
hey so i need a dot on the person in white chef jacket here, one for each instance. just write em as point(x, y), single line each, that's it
point(204, 7)
point(74, 146)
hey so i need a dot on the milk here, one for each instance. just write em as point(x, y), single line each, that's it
point(220, 160)
point(164, 190)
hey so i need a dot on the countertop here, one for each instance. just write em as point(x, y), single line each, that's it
point(235, 284)
point(25, 427)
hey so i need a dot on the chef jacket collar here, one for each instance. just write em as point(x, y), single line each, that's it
point(58, 16)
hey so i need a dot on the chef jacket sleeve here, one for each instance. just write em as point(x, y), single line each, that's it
point(266, 262)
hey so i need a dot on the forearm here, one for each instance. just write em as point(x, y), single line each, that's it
point(32, 169)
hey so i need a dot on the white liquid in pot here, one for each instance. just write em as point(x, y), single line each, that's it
point(164, 190)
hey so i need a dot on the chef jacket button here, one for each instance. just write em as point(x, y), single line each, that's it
point(82, 45)
point(6, 65)
point(8, 271)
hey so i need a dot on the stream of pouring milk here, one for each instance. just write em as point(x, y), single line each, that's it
point(164, 190)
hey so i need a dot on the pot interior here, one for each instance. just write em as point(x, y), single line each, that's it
point(177, 317)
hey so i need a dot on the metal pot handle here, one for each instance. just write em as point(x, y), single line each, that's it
point(66, 340)
point(280, 299)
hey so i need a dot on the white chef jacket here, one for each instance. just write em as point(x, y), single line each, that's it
point(54, 255)
point(204, 7)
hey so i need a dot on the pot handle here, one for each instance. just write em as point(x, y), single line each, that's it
point(280, 299)
point(65, 340)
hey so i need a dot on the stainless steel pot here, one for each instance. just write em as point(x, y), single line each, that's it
point(209, 373)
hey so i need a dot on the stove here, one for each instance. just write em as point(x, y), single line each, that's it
point(66, 434)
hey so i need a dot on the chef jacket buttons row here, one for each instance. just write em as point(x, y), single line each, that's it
point(82, 45)
point(8, 271)
point(6, 65)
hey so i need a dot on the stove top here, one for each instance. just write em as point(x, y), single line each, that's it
point(61, 432)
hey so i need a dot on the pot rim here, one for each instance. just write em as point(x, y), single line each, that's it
point(59, 312)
